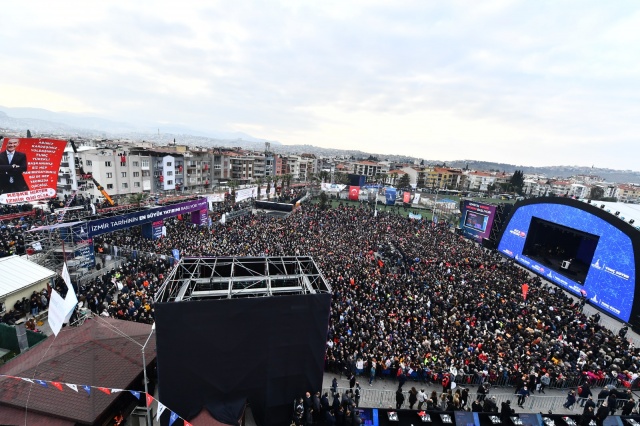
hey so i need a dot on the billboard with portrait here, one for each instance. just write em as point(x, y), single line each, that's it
point(29, 169)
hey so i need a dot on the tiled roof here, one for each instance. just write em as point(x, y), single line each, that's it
point(103, 352)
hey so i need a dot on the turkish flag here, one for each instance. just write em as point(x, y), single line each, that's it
point(406, 197)
point(525, 290)
point(149, 400)
point(354, 192)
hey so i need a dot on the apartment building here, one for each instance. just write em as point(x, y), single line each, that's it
point(370, 169)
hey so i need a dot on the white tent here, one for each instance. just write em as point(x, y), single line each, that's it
point(19, 278)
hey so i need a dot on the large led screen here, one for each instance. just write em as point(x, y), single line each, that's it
point(576, 250)
point(476, 220)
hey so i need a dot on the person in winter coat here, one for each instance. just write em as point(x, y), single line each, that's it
point(571, 399)
point(399, 399)
point(413, 397)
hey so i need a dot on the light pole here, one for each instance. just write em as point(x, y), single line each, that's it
point(435, 203)
point(144, 370)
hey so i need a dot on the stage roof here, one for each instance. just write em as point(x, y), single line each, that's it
point(627, 211)
point(18, 273)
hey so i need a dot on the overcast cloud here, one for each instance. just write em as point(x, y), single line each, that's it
point(531, 83)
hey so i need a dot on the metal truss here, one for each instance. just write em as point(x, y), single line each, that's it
point(199, 278)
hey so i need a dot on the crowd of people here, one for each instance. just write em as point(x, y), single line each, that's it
point(412, 296)
point(409, 298)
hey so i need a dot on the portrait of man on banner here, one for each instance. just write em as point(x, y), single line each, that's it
point(13, 164)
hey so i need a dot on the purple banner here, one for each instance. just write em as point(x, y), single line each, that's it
point(200, 217)
point(102, 226)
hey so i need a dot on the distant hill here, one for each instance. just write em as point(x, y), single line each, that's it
point(44, 122)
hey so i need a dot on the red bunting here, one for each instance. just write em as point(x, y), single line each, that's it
point(56, 385)
point(105, 390)
point(149, 400)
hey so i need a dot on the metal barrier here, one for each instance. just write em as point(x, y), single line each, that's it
point(379, 398)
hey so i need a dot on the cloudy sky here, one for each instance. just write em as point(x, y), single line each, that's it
point(528, 83)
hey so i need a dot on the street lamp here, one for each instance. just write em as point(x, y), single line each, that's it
point(435, 203)
point(144, 369)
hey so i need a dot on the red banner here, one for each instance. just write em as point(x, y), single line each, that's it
point(29, 169)
point(354, 192)
point(406, 197)
point(525, 290)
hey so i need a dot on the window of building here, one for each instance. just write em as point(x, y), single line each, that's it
point(109, 186)
point(109, 175)
point(136, 174)
point(169, 163)
point(169, 173)
point(169, 182)
point(136, 184)
point(107, 163)
point(124, 174)
point(125, 185)
point(145, 163)
point(89, 163)
point(135, 164)
point(146, 173)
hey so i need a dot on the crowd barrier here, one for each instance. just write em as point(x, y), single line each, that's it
point(378, 398)
point(466, 380)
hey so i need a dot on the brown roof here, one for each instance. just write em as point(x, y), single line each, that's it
point(102, 352)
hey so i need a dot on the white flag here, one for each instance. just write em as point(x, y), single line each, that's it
point(71, 300)
point(72, 386)
point(27, 380)
point(93, 209)
point(161, 408)
point(223, 219)
point(57, 312)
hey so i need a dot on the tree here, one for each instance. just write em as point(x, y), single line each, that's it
point(137, 198)
point(233, 184)
point(404, 181)
point(394, 176)
point(259, 183)
point(324, 199)
point(596, 193)
point(517, 181)
point(268, 179)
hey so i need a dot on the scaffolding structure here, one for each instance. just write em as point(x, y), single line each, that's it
point(201, 278)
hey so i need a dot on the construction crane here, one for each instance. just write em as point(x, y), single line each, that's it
point(90, 176)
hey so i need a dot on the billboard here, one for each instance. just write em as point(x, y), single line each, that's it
point(29, 169)
point(390, 196)
point(579, 250)
point(476, 220)
point(246, 193)
point(110, 224)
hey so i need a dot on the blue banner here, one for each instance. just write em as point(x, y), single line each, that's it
point(390, 196)
point(176, 254)
point(102, 226)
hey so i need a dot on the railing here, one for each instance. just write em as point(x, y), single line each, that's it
point(571, 382)
point(379, 398)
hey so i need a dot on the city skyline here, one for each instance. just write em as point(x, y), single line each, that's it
point(513, 82)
